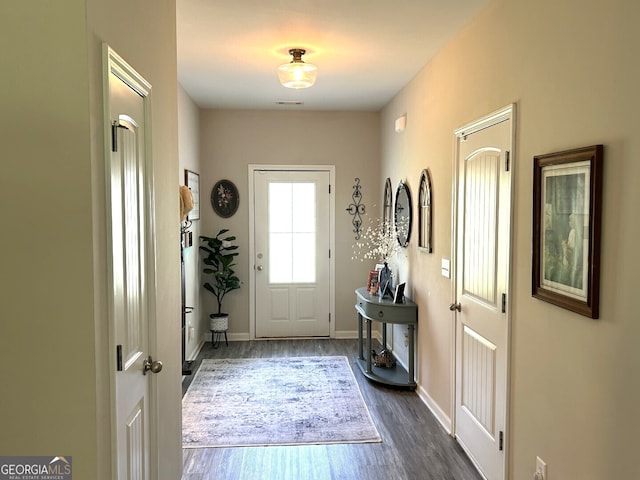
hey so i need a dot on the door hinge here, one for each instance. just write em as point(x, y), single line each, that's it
point(504, 303)
point(114, 137)
point(329, 189)
point(119, 357)
point(329, 253)
point(329, 317)
point(506, 161)
point(501, 441)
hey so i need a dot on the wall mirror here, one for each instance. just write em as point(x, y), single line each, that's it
point(387, 204)
point(424, 212)
point(403, 214)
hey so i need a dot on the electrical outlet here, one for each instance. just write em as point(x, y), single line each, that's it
point(541, 469)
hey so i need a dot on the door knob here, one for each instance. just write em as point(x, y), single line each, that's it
point(455, 306)
point(150, 365)
point(259, 268)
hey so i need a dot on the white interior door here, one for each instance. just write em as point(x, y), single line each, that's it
point(292, 253)
point(131, 259)
point(482, 287)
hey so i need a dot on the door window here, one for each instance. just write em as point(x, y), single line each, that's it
point(292, 232)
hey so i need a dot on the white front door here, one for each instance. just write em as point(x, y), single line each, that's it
point(483, 194)
point(131, 261)
point(292, 256)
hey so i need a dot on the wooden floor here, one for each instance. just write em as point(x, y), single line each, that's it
point(414, 445)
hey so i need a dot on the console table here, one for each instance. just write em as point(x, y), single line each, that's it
point(371, 308)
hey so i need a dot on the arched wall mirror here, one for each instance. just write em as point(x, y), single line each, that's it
point(387, 204)
point(403, 214)
point(424, 212)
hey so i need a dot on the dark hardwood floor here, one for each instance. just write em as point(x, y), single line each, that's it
point(414, 445)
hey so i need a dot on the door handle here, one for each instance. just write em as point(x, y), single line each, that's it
point(259, 268)
point(150, 365)
point(455, 306)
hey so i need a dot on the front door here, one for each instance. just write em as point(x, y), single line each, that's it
point(292, 256)
point(131, 281)
point(483, 193)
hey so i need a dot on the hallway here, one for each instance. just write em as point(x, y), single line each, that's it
point(414, 446)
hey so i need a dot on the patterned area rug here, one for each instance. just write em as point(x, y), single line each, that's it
point(275, 401)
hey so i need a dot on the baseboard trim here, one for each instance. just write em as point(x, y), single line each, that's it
point(440, 415)
point(197, 350)
point(243, 337)
point(232, 337)
point(346, 334)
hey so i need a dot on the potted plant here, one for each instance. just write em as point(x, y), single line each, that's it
point(219, 255)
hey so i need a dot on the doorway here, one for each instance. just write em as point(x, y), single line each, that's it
point(131, 281)
point(291, 244)
point(483, 186)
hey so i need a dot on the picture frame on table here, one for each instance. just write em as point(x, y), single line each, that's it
point(567, 217)
point(372, 282)
point(398, 296)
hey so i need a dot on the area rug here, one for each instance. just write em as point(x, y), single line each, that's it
point(275, 401)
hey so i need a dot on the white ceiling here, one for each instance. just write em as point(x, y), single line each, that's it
point(365, 50)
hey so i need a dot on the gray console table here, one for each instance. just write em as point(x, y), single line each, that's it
point(372, 308)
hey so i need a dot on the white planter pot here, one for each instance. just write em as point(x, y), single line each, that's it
point(219, 323)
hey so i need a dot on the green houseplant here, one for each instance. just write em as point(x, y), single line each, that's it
point(218, 258)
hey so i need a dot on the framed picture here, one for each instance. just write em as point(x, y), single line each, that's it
point(567, 197)
point(372, 282)
point(192, 180)
point(398, 296)
point(224, 198)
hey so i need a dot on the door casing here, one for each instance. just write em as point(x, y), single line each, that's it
point(114, 64)
point(506, 113)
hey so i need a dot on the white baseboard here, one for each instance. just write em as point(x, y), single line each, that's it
point(440, 415)
point(346, 334)
point(232, 337)
point(243, 337)
point(195, 353)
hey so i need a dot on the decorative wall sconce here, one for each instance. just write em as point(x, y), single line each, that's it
point(356, 209)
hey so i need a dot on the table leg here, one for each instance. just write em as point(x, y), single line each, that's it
point(368, 345)
point(360, 356)
point(411, 331)
point(384, 335)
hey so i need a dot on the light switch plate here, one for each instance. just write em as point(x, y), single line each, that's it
point(445, 268)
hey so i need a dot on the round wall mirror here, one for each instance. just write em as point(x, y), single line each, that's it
point(403, 214)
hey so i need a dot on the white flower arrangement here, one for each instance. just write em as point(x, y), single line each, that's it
point(379, 241)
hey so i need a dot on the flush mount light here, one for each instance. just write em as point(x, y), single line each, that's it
point(297, 74)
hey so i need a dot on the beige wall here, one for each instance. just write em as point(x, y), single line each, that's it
point(46, 327)
point(54, 340)
point(231, 140)
point(189, 158)
point(573, 70)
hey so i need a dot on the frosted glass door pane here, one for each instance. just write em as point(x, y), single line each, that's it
point(280, 213)
point(281, 260)
point(303, 209)
point(292, 232)
point(304, 257)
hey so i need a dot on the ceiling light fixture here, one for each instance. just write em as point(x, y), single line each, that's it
point(297, 74)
